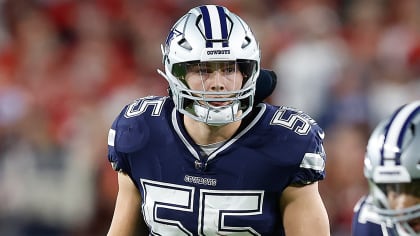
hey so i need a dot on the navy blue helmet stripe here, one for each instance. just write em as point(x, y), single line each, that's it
point(207, 26)
point(404, 126)
point(223, 25)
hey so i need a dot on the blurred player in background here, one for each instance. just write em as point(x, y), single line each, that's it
point(392, 168)
point(210, 159)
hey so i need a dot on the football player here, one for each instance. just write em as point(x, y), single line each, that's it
point(209, 160)
point(392, 168)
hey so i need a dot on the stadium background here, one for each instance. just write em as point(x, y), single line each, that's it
point(67, 67)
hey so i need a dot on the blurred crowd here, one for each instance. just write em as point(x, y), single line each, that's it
point(67, 67)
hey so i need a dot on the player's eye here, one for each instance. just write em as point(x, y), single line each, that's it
point(228, 69)
point(198, 68)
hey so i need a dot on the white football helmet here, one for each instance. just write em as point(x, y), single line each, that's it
point(211, 37)
point(392, 163)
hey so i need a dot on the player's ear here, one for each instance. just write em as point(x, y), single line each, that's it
point(266, 83)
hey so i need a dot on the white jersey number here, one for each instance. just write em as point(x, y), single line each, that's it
point(214, 206)
point(139, 106)
point(298, 122)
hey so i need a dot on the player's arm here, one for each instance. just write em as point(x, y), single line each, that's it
point(304, 212)
point(127, 218)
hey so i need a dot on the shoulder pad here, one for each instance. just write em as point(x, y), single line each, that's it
point(296, 121)
point(307, 136)
point(131, 129)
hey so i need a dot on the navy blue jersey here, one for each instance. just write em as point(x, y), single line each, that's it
point(367, 222)
point(235, 189)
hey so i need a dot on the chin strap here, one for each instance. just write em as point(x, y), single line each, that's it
point(216, 116)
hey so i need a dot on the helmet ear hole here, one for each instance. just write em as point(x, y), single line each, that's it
point(246, 42)
point(184, 43)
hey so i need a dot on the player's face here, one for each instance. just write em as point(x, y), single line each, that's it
point(214, 77)
point(403, 196)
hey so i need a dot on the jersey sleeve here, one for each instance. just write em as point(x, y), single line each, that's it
point(117, 159)
point(312, 166)
point(127, 135)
